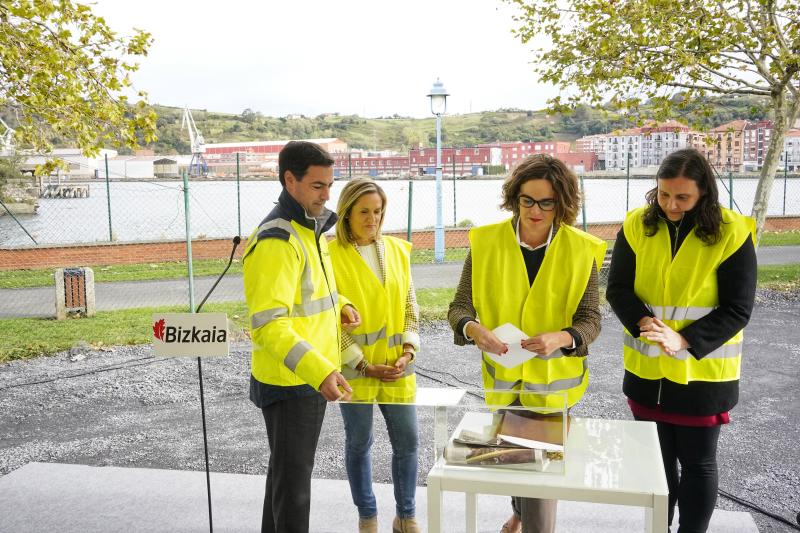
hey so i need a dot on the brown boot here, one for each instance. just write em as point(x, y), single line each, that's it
point(368, 525)
point(405, 525)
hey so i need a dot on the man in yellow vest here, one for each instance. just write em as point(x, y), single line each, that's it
point(296, 318)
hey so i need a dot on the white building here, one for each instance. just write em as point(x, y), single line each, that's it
point(79, 165)
point(128, 167)
point(624, 149)
point(790, 158)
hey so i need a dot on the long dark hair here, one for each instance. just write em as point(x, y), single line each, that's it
point(690, 164)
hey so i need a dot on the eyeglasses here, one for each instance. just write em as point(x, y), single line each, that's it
point(545, 204)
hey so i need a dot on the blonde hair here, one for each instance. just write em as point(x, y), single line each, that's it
point(354, 190)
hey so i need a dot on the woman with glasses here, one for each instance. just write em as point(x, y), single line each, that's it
point(373, 272)
point(682, 282)
point(539, 273)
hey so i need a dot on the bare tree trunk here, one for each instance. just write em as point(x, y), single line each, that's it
point(785, 115)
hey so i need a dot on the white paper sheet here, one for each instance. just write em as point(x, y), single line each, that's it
point(516, 354)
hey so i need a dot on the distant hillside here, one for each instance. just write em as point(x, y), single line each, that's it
point(401, 133)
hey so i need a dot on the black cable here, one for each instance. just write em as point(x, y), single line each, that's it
point(761, 510)
point(116, 366)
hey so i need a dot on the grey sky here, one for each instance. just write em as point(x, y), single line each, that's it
point(373, 58)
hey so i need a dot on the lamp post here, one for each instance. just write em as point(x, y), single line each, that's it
point(438, 97)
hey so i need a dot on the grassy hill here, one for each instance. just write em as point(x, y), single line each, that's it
point(402, 133)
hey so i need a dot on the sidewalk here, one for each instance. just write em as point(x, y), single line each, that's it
point(82, 499)
point(38, 302)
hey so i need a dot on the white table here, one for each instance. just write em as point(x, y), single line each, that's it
point(607, 461)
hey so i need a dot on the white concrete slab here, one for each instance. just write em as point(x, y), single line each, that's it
point(83, 499)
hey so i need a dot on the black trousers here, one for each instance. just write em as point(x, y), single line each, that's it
point(690, 462)
point(293, 428)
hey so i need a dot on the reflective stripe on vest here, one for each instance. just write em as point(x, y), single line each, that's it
point(671, 312)
point(297, 352)
point(654, 350)
point(554, 386)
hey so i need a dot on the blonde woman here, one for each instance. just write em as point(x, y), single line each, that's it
point(373, 272)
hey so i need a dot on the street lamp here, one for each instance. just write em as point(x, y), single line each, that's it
point(438, 97)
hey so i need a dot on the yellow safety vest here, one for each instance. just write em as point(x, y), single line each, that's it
point(294, 307)
point(382, 309)
point(501, 294)
point(679, 291)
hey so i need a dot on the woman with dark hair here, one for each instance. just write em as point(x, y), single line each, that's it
point(682, 282)
point(538, 273)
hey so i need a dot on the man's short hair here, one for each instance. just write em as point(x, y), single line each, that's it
point(297, 156)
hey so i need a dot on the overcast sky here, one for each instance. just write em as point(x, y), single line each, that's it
point(372, 58)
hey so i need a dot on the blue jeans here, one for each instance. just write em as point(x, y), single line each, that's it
point(401, 422)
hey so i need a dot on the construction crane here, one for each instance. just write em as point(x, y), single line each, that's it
point(197, 165)
point(7, 146)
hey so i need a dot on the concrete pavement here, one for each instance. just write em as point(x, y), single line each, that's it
point(84, 499)
point(39, 301)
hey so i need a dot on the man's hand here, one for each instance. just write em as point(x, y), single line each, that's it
point(485, 339)
point(547, 343)
point(335, 387)
point(350, 318)
point(670, 340)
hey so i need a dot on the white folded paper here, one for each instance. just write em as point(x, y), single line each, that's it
point(516, 354)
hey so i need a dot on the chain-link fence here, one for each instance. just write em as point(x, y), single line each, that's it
point(135, 231)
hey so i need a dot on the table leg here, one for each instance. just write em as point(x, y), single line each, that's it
point(471, 508)
point(655, 518)
point(435, 524)
point(440, 434)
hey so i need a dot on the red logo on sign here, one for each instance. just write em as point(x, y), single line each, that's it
point(158, 329)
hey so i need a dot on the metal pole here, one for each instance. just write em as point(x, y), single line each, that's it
point(108, 198)
point(410, 204)
point(350, 165)
point(785, 177)
point(730, 188)
point(455, 220)
point(628, 183)
point(238, 197)
point(439, 233)
point(187, 221)
point(583, 206)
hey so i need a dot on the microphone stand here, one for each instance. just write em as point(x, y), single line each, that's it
point(236, 241)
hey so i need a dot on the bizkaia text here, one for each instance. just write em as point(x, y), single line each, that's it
point(166, 333)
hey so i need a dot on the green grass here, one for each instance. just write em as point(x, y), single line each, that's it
point(18, 279)
point(779, 277)
point(433, 303)
point(780, 238)
point(24, 338)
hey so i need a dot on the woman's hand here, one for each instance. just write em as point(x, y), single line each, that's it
point(384, 372)
point(547, 343)
point(485, 339)
point(350, 318)
point(402, 362)
point(670, 340)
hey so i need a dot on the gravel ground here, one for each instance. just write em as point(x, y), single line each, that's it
point(120, 407)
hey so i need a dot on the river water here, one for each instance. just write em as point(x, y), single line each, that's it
point(145, 211)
